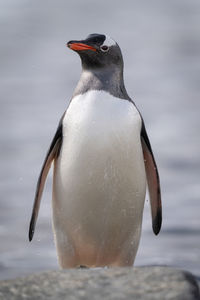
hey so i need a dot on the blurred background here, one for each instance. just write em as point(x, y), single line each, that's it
point(160, 42)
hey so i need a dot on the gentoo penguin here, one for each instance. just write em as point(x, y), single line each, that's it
point(102, 159)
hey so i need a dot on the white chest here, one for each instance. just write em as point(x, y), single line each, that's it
point(101, 151)
point(100, 114)
point(100, 132)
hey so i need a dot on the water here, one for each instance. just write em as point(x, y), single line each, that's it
point(160, 41)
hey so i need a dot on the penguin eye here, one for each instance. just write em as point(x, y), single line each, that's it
point(104, 48)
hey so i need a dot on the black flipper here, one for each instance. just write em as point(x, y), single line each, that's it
point(52, 153)
point(153, 181)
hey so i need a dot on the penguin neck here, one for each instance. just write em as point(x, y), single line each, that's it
point(107, 79)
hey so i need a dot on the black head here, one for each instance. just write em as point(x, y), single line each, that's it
point(97, 51)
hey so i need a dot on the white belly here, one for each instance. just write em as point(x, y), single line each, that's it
point(99, 181)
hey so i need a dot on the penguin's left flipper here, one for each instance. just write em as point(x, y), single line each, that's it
point(153, 181)
point(52, 153)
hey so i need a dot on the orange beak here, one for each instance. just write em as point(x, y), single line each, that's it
point(79, 46)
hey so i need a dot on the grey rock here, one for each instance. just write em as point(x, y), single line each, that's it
point(144, 283)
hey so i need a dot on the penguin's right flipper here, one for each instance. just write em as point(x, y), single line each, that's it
point(52, 153)
point(153, 181)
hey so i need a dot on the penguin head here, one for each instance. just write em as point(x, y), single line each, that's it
point(97, 51)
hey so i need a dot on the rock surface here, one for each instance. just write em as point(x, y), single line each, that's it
point(117, 283)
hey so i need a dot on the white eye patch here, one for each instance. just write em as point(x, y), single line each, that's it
point(108, 42)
